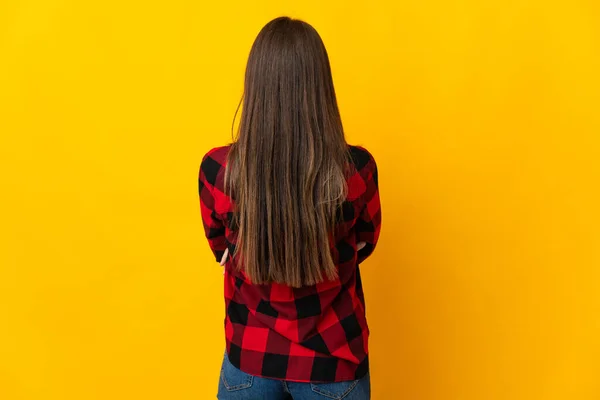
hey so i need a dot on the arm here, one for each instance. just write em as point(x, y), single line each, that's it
point(368, 224)
point(213, 226)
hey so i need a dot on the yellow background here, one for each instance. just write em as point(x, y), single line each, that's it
point(484, 119)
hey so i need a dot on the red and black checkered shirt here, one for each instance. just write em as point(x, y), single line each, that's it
point(309, 334)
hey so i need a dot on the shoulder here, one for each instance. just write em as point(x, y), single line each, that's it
point(362, 159)
point(218, 154)
point(213, 163)
point(363, 177)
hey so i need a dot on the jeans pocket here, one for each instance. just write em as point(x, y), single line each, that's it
point(233, 379)
point(334, 390)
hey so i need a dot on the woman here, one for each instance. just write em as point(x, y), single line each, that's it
point(290, 209)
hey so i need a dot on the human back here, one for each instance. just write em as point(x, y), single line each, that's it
point(287, 168)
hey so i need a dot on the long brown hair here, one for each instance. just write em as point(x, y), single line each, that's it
point(286, 169)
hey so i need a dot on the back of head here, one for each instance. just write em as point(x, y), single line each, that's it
point(286, 169)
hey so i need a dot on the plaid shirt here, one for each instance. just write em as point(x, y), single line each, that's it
point(309, 334)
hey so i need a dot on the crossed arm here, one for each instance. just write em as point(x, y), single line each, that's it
point(359, 247)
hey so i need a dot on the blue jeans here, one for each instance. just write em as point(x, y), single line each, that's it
point(237, 385)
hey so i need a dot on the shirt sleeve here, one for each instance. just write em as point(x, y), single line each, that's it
point(368, 224)
point(213, 225)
